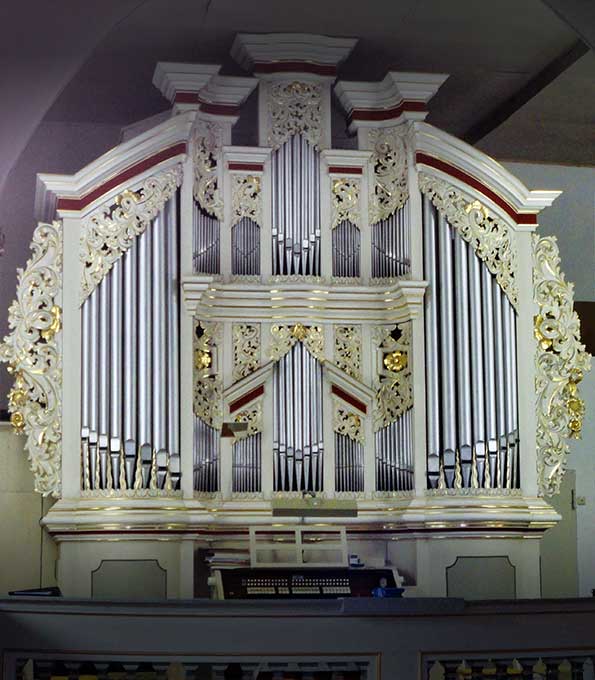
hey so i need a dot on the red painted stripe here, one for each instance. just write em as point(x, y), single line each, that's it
point(132, 171)
point(249, 396)
point(220, 109)
point(519, 218)
point(349, 399)
point(387, 114)
point(297, 66)
point(337, 169)
point(186, 98)
point(255, 167)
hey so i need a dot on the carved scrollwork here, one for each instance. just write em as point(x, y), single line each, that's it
point(295, 108)
point(283, 338)
point(394, 393)
point(490, 238)
point(253, 416)
point(388, 191)
point(207, 141)
point(246, 198)
point(33, 353)
point(347, 354)
point(110, 230)
point(208, 386)
point(561, 362)
point(345, 203)
point(347, 423)
point(246, 349)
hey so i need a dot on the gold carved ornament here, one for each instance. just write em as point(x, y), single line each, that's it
point(206, 145)
point(491, 238)
point(208, 387)
point(560, 362)
point(246, 349)
point(394, 392)
point(347, 423)
point(246, 198)
point(345, 201)
point(253, 416)
point(295, 108)
point(348, 348)
point(111, 230)
point(33, 353)
point(283, 338)
point(389, 189)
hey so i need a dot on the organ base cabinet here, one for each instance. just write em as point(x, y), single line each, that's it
point(225, 349)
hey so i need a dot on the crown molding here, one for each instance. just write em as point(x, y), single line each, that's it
point(451, 151)
point(162, 144)
point(270, 52)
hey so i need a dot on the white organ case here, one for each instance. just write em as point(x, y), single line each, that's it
point(206, 332)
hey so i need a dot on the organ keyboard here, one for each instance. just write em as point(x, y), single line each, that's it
point(280, 583)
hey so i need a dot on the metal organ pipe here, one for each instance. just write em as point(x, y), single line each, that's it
point(295, 170)
point(245, 248)
point(297, 421)
point(130, 379)
point(390, 245)
point(447, 350)
point(471, 372)
point(431, 333)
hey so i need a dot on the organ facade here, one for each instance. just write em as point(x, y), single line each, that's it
point(215, 345)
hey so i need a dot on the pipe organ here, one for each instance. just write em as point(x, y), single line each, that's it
point(357, 334)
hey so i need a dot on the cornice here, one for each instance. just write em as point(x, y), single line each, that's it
point(162, 145)
point(295, 302)
point(172, 78)
point(399, 96)
point(428, 141)
point(412, 516)
point(296, 51)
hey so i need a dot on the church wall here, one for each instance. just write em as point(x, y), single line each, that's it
point(27, 553)
point(572, 220)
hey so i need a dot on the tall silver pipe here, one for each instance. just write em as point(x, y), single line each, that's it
point(130, 260)
point(85, 368)
point(477, 367)
point(93, 385)
point(116, 406)
point(159, 340)
point(431, 301)
point(465, 439)
point(514, 435)
point(500, 382)
point(447, 347)
point(490, 373)
point(145, 367)
point(104, 377)
point(173, 375)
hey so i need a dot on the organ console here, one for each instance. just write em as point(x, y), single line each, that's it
point(378, 323)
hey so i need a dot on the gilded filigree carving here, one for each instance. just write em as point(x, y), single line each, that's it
point(388, 190)
point(295, 108)
point(246, 349)
point(32, 351)
point(490, 237)
point(110, 230)
point(208, 386)
point(345, 201)
point(394, 392)
point(347, 354)
point(283, 338)
point(561, 362)
point(246, 198)
point(253, 416)
point(347, 422)
point(207, 142)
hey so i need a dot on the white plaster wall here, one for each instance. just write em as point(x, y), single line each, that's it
point(572, 220)
point(582, 459)
point(27, 553)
